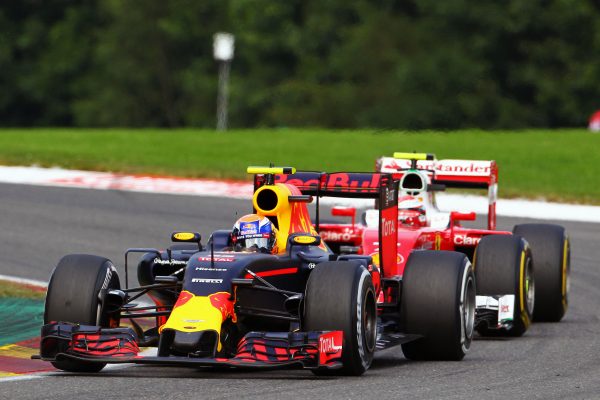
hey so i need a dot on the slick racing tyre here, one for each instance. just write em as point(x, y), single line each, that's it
point(551, 254)
point(74, 296)
point(438, 302)
point(340, 296)
point(503, 266)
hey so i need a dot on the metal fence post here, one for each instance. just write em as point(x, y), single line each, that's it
point(223, 47)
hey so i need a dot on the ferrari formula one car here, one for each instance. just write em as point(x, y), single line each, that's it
point(521, 275)
point(299, 305)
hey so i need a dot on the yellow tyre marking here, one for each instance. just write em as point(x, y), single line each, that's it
point(7, 374)
point(524, 315)
point(564, 274)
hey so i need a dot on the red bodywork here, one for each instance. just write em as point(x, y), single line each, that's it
point(451, 173)
point(366, 240)
point(463, 174)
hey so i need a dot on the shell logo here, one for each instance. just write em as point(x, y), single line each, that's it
point(375, 257)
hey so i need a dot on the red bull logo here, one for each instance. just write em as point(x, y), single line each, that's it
point(341, 180)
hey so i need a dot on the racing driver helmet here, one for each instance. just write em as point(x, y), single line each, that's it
point(411, 212)
point(254, 233)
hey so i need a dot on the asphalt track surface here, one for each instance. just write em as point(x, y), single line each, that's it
point(40, 224)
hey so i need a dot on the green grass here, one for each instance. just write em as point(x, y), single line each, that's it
point(15, 290)
point(561, 165)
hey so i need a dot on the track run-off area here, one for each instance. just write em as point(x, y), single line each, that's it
point(40, 224)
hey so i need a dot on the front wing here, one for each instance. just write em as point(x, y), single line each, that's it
point(270, 350)
point(496, 312)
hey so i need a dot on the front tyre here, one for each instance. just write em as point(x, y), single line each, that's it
point(551, 253)
point(340, 296)
point(438, 302)
point(74, 295)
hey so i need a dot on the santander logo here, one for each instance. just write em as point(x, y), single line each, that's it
point(442, 167)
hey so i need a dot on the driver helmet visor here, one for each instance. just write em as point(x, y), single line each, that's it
point(260, 240)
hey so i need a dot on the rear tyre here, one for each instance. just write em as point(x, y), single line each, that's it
point(503, 265)
point(438, 302)
point(74, 296)
point(551, 253)
point(340, 296)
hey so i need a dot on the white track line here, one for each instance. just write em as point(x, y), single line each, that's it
point(24, 377)
point(150, 352)
point(135, 183)
point(243, 190)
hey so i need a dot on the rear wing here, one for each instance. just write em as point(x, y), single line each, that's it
point(462, 174)
point(366, 185)
point(382, 187)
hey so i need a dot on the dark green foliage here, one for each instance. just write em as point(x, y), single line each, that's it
point(365, 63)
point(44, 52)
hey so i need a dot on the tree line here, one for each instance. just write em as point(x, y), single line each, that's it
point(401, 64)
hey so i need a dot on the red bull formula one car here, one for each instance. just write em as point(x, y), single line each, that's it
point(297, 304)
point(521, 275)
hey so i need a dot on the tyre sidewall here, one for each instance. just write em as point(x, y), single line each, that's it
point(523, 315)
point(363, 290)
point(74, 296)
point(431, 305)
point(79, 301)
point(337, 296)
point(550, 248)
point(467, 327)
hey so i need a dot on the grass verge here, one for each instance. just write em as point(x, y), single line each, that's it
point(20, 291)
point(558, 165)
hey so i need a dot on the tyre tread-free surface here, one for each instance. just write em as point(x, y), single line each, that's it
point(433, 286)
point(340, 296)
point(550, 250)
point(73, 296)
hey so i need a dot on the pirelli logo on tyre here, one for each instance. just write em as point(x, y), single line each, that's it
point(305, 239)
